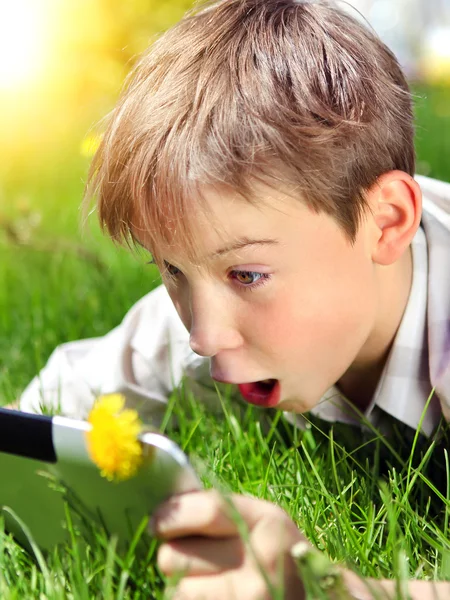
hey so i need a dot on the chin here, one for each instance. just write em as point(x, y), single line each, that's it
point(294, 405)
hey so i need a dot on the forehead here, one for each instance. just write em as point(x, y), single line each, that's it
point(219, 218)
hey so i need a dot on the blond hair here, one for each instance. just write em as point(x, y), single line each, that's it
point(236, 90)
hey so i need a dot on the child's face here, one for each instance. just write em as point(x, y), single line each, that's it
point(279, 293)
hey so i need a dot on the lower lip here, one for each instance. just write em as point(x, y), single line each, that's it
point(254, 396)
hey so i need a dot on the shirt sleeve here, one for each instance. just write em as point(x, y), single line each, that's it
point(144, 358)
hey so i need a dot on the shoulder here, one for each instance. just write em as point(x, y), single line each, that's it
point(155, 306)
point(436, 222)
point(436, 200)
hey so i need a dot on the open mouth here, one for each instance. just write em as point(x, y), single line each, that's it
point(262, 393)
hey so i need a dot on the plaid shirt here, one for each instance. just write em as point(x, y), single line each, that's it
point(148, 354)
point(436, 219)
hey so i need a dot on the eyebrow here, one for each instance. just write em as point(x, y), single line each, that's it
point(242, 243)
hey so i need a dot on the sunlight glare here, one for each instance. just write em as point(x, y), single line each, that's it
point(21, 41)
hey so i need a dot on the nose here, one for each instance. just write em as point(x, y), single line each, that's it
point(213, 326)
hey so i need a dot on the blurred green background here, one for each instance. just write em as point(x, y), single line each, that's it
point(62, 64)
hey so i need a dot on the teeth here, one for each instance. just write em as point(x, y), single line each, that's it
point(267, 381)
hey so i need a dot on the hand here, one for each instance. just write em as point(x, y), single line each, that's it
point(203, 542)
point(13, 406)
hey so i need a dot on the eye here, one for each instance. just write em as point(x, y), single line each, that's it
point(249, 279)
point(171, 269)
point(246, 277)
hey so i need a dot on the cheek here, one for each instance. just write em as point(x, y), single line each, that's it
point(334, 309)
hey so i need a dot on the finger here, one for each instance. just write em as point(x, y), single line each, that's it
point(200, 556)
point(192, 514)
point(272, 539)
point(222, 587)
point(270, 546)
point(209, 513)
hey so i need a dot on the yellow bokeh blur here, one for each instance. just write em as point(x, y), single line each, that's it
point(62, 64)
point(90, 144)
point(435, 59)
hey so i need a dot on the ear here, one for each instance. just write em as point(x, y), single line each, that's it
point(395, 200)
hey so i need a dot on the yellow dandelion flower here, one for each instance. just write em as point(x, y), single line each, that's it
point(90, 144)
point(113, 442)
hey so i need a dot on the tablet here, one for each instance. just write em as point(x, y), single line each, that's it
point(36, 451)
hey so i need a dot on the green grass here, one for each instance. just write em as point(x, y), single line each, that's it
point(356, 501)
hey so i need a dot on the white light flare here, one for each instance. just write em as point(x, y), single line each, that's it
point(22, 40)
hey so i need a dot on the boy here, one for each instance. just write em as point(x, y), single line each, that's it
point(262, 152)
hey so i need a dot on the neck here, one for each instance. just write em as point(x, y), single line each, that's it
point(359, 382)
